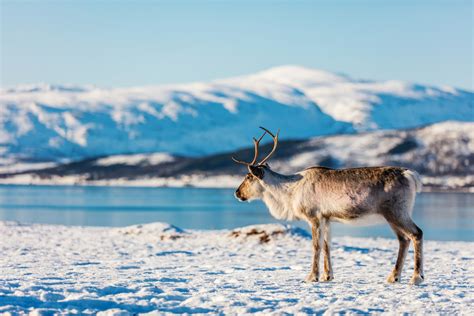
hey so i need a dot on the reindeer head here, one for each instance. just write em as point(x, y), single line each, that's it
point(252, 186)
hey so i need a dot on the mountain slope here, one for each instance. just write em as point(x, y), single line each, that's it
point(370, 105)
point(50, 123)
point(443, 153)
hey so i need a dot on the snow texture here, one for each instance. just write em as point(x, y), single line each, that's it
point(50, 122)
point(159, 269)
point(438, 149)
point(137, 159)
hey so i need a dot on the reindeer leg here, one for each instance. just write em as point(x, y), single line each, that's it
point(416, 235)
point(404, 244)
point(409, 229)
point(313, 276)
point(326, 227)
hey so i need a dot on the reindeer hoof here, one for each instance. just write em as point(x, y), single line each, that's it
point(311, 278)
point(417, 279)
point(393, 279)
point(327, 277)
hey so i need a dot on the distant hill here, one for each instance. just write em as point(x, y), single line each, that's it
point(48, 123)
point(443, 153)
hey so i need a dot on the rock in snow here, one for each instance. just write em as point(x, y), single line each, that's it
point(47, 122)
point(46, 269)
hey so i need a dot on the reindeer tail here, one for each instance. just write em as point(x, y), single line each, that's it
point(413, 176)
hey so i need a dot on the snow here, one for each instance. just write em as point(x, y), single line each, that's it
point(193, 180)
point(450, 182)
point(158, 269)
point(457, 183)
point(368, 104)
point(442, 155)
point(150, 159)
point(442, 145)
point(10, 165)
point(208, 117)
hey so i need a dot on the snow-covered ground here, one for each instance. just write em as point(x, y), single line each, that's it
point(158, 269)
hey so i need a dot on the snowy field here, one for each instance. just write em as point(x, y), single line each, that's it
point(160, 269)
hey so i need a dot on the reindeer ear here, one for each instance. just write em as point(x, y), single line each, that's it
point(256, 171)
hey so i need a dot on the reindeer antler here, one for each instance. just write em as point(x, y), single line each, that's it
point(256, 144)
point(275, 144)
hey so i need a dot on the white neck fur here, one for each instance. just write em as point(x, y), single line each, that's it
point(278, 196)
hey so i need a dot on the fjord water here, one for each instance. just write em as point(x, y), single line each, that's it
point(442, 216)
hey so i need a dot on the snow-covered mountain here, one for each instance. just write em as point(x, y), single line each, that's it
point(50, 123)
point(443, 153)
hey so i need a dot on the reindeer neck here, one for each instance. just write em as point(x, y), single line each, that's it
point(277, 195)
point(277, 182)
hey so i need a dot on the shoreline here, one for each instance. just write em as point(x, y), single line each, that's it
point(178, 183)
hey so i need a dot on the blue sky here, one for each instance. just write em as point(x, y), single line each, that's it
point(128, 43)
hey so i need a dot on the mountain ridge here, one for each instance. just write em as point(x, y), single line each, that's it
point(443, 153)
point(54, 122)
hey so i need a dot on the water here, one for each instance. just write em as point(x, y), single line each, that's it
point(442, 216)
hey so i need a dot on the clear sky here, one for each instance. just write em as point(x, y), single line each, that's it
point(129, 43)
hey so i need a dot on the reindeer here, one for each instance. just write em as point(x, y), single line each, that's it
point(319, 195)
